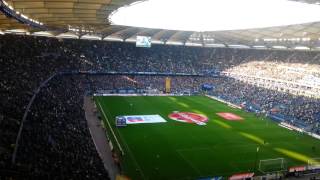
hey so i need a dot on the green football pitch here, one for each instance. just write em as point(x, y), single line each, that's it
point(177, 150)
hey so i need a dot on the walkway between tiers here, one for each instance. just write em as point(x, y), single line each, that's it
point(99, 138)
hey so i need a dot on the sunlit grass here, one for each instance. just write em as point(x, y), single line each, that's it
point(222, 124)
point(252, 137)
point(297, 156)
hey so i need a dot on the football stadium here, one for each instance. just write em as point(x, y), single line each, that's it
point(160, 89)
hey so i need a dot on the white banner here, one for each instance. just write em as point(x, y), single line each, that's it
point(139, 119)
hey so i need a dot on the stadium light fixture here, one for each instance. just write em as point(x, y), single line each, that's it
point(214, 45)
point(238, 46)
point(43, 33)
point(279, 47)
point(90, 37)
point(193, 44)
point(108, 38)
point(270, 39)
point(306, 39)
point(259, 47)
point(157, 42)
point(214, 15)
point(302, 48)
point(5, 3)
point(130, 40)
point(174, 43)
point(67, 36)
point(16, 31)
point(25, 17)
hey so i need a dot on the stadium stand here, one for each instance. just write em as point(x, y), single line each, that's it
point(294, 108)
point(55, 137)
point(57, 131)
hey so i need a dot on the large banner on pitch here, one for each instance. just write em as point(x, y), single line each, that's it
point(139, 119)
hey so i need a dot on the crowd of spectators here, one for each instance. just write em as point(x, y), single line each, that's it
point(178, 84)
point(290, 72)
point(294, 77)
point(55, 143)
point(24, 66)
point(293, 107)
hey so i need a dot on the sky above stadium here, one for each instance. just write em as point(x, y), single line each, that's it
point(215, 15)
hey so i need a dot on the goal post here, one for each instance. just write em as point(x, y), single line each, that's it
point(272, 165)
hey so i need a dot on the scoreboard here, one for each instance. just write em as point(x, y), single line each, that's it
point(143, 41)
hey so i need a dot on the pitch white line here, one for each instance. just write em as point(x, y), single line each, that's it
point(189, 163)
point(115, 137)
point(131, 154)
point(124, 142)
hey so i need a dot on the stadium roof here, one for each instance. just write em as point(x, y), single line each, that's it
point(87, 19)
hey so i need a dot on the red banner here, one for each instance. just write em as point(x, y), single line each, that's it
point(241, 176)
point(297, 169)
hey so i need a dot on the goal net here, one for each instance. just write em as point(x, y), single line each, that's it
point(272, 165)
